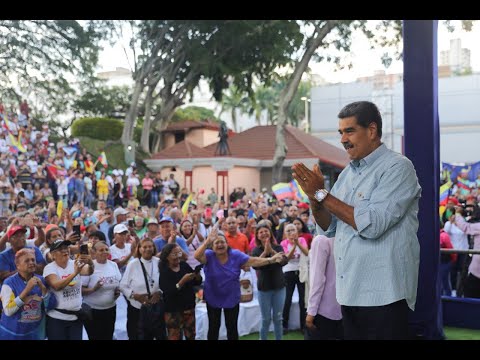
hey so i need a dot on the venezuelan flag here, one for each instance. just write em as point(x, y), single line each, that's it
point(298, 191)
point(445, 190)
point(282, 191)
point(102, 158)
point(17, 144)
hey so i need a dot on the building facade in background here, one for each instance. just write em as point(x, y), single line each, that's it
point(456, 57)
point(458, 109)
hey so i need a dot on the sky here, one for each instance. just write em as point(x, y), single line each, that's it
point(364, 60)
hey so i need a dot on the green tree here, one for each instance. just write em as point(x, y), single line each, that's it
point(193, 113)
point(103, 101)
point(42, 57)
point(180, 53)
point(234, 101)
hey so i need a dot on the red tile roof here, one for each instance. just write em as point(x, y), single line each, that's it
point(259, 143)
point(192, 124)
point(183, 149)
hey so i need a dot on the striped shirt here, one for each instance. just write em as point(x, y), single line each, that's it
point(377, 264)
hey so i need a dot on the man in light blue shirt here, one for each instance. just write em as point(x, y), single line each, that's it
point(372, 212)
point(168, 234)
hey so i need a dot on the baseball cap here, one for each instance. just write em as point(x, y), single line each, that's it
point(120, 211)
point(302, 205)
point(19, 205)
point(14, 229)
point(120, 228)
point(58, 244)
point(166, 218)
point(152, 221)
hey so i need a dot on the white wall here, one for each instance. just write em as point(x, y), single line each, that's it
point(459, 113)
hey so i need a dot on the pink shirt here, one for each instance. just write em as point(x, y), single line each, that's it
point(294, 262)
point(322, 296)
point(147, 183)
point(471, 229)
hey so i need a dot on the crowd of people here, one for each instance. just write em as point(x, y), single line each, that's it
point(112, 247)
point(460, 230)
point(140, 247)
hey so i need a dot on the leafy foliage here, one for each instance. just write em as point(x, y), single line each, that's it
point(103, 101)
point(98, 128)
point(193, 113)
point(178, 53)
point(42, 58)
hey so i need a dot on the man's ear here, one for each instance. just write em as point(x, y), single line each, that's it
point(372, 127)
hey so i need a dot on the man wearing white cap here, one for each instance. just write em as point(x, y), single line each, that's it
point(119, 217)
point(152, 229)
point(123, 250)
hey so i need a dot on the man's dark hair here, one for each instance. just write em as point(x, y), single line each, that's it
point(365, 112)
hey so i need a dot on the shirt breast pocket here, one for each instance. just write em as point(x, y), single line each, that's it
point(361, 195)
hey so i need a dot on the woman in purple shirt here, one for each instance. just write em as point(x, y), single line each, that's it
point(222, 283)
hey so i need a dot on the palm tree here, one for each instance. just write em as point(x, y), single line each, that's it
point(234, 100)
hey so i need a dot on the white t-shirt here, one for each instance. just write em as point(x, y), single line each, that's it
point(121, 254)
point(109, 275)
point(70, 297)
point(33, 166)
point(62, 187)
point(133, 181)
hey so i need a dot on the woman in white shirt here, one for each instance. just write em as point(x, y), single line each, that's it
point(133, 287)
point(459, 241)
point(100, 291)
point(62, 276)
point(294, 247)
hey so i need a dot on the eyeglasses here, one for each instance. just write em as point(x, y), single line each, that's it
point(290, 230)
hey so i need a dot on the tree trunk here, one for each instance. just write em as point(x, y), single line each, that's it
point(127, 134)
point(287, 95)
point(157, 143)
point(234, 119)
point(145, 139)
point(162, 119)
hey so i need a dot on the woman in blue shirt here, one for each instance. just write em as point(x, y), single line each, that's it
point(25, 300)
point(222, 284)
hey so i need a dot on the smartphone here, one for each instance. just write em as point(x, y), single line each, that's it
point(249, 203)
point(251, 214)
point(198, 268)
point(76, 229)
point(131, 223)
point(225, 213)
point(84, 249)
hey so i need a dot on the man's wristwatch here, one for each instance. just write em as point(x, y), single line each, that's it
point(320, 195)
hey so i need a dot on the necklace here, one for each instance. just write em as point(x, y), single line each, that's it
point(151, 280)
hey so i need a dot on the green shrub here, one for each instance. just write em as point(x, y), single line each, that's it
point(98, 128)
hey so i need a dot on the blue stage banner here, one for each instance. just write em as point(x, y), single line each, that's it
point(454, 170)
